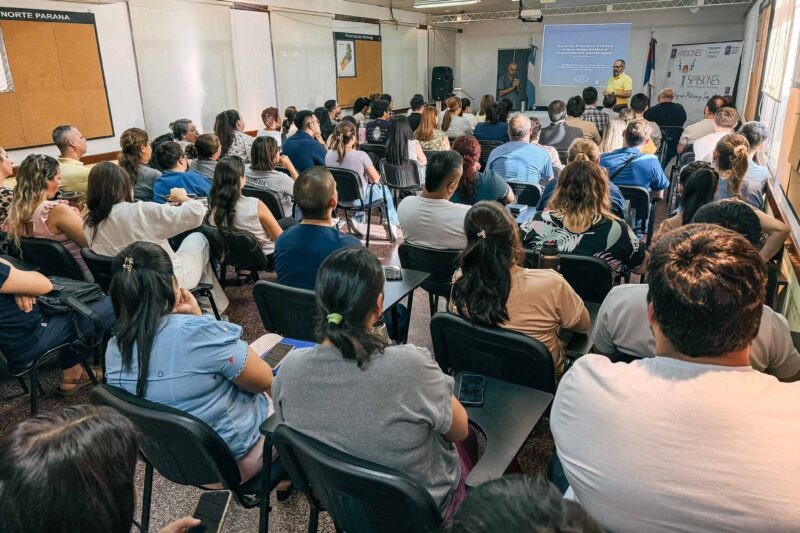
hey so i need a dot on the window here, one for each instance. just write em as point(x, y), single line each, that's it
point(6, 83)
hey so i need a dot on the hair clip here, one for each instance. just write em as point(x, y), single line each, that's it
point(335, 318)
point(482, 234)
point(128, 264)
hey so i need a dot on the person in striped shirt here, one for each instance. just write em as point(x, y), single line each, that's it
point(592, 114)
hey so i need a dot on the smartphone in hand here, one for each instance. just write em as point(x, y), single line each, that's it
point(211, 511)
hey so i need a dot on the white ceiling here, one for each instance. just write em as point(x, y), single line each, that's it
point(485, 6)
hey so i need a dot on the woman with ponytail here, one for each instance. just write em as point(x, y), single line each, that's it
point(391, 405)
point(697, 184)
point(452, 122)
point(232, 212)
point(475, 185)
point(492, 289)
point(344, 153)
point(229, 128)
point(578, 218)
point(136, 153)
point(167, 352)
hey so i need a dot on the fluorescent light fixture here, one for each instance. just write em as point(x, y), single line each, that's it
point(428, 4)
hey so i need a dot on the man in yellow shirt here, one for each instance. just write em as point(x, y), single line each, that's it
point(620, 85)
point(72, 145)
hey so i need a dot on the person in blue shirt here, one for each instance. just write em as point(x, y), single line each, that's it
point(519, 159)
point(641, 170)
point(302, 248)
point(167, 352)
point(305, 148)
point(494, 128)
point(757, 175)
point(171, 158)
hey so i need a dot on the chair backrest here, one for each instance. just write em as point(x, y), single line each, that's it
point(242, 249)
point(440, 264)
point(429, 154)
point(284, 170)
point(460, 345)
point(50, 256)
point(268, 197)
point(287, 311)
point(376, 152)
point(486, 149)
point(591, 277)
point(685, 158)
point(563, 155)
point(361, 496)
point(100, 266)
point(526, 192)
point(671, 135)
point(348, 185)
point(183, 448)
point(640, 200)
point(404, 176)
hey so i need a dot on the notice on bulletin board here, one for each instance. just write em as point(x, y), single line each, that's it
point(345, 59)
point(6, 83)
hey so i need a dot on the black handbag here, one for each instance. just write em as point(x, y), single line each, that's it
point(72, 297)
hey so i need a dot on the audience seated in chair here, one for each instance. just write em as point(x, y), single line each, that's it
point(452, 123)
point(475, 185)
point(272, 125)
point(167, 352)
point(205, 153)
point(288, 127)
point(326, 125)
point(731, 158)
point(629, 166)
point(666, 112)
point(229, 129)
point(492, 289)
point(27, 331)
point(704, 126)
point(585, 150)
point(265, 156)
point(72, 470)
point(536, 130)
point(756, 134)
point(725, 121)
point(575, 108)
point(558, 133)
point(173, 160)
point(466, 112)
point(112, 222)
point(486, 101)
point(613, 135)
point(134, 155)
point(335, 392)
point(519, 503)
point(428, 134)
point(361, 109)
point(72, 145)
point(305, 148)
point(401, 147)
point(6, 191)
point(697, 185)
point(344, 153)
point(494, 127)
point(232, 212)
point(33, 215)
point(184, 132)
point(378, 126)
point(620, 329)
point(679, 430)
point(579, 219)
point(431, 219)
point(519, 159)
point(591, 113)
point(417, 104)
point(639, 104)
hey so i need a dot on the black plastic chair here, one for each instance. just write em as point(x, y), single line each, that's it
point(640, 204)
point(101, 267)
point(351, 198)
point(31, 371)
point(440, 264)
point(563, 155)
point(287, 311)
point(244, 253)
point(50, 256)
point(590, 277)
point(376, 152)
point(526, 193)
point(402, 180)
point(670, 136)
point(486, 150)
point(360, 496)
point(183, 449)
point(268, 197)
point(461, 346)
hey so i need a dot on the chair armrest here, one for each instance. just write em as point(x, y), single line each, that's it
point(268, 426)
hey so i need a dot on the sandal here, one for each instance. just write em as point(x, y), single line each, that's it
point(78, 384)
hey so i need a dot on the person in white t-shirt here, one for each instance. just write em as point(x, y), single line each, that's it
point(702, 127)
point(724, 121)
point(693, 439)
point(431, 219)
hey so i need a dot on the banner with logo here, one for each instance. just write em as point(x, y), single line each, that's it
point(696, 72)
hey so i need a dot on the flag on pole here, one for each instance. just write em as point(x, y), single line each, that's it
point(530, 89)
point(650, 69)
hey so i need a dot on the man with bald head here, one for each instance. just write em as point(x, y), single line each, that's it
point(508, 86)
point(666, 112)
point(519, 159)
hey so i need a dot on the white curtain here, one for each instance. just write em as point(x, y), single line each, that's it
point(184, 55)
point(255, 74)
point(304, 59)
point(401, 75)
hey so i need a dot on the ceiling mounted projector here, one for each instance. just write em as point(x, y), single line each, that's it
point(531, 15)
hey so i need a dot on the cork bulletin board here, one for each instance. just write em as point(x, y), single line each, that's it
point(365, 75)
point(52, 74)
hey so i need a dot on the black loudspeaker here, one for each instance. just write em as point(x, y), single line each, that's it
point(441, 82)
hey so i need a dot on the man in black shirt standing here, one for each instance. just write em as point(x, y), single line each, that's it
point(666, 112)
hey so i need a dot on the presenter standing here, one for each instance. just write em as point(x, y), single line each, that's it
point(620, 85)
point(508, 86)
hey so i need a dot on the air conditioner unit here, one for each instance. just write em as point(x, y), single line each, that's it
point(531, 15)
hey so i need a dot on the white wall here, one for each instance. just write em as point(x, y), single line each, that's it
point(476, 47)
point(748, 56)
point(253, 64)
point(119, 67)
